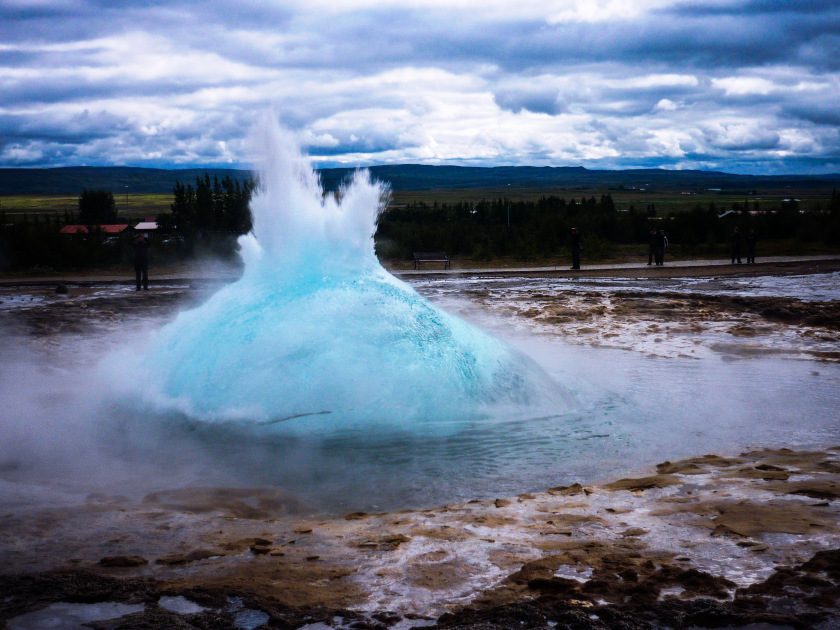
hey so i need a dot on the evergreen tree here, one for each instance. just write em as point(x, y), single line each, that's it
point(203, 203)
point(183, 207)
point(97, 207)
point(213, 213)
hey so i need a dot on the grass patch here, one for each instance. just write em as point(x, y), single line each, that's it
point(130, 206)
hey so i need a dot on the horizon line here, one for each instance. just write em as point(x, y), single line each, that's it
point(416, 164)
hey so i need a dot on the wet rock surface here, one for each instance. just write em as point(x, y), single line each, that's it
point(642, 314)
point(77, 310)
point(715, 546)
point(805, 596)
point(624, 318)
point(25, 593)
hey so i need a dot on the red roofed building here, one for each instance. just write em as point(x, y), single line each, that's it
point(83, 229)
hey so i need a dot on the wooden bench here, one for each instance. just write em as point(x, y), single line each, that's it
point(421, 257)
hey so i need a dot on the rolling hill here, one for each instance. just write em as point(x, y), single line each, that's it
point(405, 177)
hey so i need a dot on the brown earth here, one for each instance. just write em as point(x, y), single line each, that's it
point(667, 323)
point(705, 543)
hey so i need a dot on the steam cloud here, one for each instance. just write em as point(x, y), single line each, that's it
point(317, 335)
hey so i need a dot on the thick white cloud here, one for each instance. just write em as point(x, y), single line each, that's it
point(602, 10)
point(739, 86)
point(667, 104)
point(750, 87)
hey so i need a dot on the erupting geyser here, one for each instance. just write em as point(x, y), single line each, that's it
point(318, 333)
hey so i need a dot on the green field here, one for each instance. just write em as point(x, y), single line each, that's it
point(137, 206)
point(130, 206)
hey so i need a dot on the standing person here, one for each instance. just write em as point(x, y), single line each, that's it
point(651, 246)
point(750, 239)
point(575, 248)
point(736, 246)
point(660, 243)
point(140, 243)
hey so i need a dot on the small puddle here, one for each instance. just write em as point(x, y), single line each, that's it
point(249, 619)
point(180, 605)
point(246, 618)
point(66, 616)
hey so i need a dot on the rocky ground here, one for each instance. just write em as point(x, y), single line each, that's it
point(740, 325)
point(744, 541)
point(704, 542)
point(659, 322)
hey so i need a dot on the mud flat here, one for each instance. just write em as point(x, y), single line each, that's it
point(687, 323)
point(689, 312)
point(704, 542)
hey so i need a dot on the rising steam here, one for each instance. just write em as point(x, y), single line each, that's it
point(317, 329)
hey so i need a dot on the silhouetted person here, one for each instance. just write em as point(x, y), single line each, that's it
point(651, 246)
point(140, 243)
point(750, 239)
point(575, 248)
point(736, 246)
point(660, 242)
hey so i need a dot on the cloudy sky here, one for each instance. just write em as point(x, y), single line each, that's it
point(748, 86)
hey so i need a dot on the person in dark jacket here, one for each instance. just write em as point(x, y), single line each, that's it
point(575, 248)
point(736, 246)
point(140, 243)
point(750, 239)
point(660, 242)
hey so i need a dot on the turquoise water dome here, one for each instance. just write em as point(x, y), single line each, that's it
point(316, 333)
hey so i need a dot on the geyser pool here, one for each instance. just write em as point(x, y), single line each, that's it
point(316, 335)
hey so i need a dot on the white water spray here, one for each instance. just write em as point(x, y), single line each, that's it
point(316, 326)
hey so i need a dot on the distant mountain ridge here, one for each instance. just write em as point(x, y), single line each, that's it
point(117, 179)
point(402, 177)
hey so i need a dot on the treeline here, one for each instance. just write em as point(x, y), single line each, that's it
point(205, 219)
point(211, 215)
point(217, 206)
point(36, 244)
point(501, 227)
point(703, 227)
point(97, 207)
point(532, 229)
